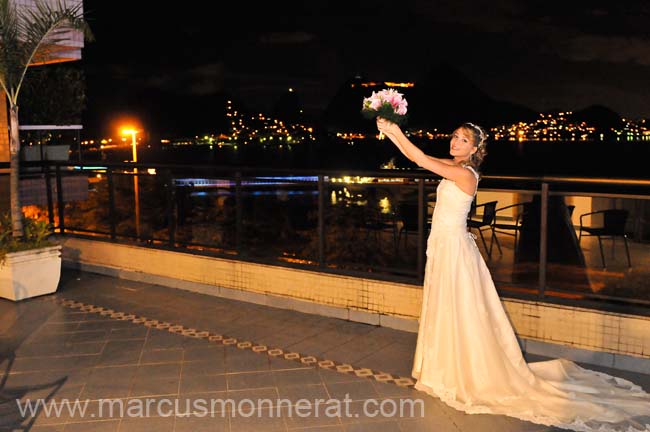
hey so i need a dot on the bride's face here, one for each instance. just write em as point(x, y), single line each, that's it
point(462, 144)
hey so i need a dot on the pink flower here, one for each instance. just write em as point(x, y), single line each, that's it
point(376, 101)
point(387, 103)
point(401, 108)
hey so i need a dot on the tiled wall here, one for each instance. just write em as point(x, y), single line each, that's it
point(582, 328)
point(376, 302)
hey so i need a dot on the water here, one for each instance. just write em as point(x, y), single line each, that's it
point(589, 159)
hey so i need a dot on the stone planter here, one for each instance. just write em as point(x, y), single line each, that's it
point(30, 273)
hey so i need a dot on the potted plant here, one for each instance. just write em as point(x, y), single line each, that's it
point(29, 34)
point(30, 266)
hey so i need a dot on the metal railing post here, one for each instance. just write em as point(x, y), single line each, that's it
point(59, 199)
point(543, 240)
point(48, 191)
point(321, 221)
point(238, 213)
point(422, 205)
point(169, 207)
point(112, 217)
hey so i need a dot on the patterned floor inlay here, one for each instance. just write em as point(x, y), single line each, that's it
point(307, 360)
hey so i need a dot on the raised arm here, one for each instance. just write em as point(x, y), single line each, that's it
point(446, 168)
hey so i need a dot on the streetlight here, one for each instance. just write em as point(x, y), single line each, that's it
point(136, 188)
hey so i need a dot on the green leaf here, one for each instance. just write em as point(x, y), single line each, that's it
point(385, 111)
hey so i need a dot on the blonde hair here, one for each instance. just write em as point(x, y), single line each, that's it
point(480, 137)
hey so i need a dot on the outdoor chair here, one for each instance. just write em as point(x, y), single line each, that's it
point(571, 208)
point(407, 214)
point(510, 228)
point(485, 222)
point(613, 226)
point(376, 222)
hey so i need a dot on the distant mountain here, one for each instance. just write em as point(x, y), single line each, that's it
point(601, 117)
point(442, 98)
point(344, 110)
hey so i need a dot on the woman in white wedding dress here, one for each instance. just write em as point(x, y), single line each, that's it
point(467, 353)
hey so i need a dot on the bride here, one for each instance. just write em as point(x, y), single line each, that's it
point(467, 353)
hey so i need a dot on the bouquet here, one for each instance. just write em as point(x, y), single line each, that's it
point(388, 104)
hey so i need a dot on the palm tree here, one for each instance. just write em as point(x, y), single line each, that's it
point(29, 36)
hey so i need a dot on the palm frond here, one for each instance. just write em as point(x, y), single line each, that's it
point(10, 52)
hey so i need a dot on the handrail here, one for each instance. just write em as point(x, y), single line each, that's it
point(559, 179)
point(258, 170)
point(413, 174)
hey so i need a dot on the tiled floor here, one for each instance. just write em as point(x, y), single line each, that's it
point(70, 351)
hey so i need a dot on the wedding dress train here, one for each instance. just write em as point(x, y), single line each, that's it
point(468, 356)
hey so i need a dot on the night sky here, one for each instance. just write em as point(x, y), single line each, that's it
point(172, 66)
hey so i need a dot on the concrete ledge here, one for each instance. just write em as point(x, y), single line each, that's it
point(364, 317)
point(570, 353)
point(599, 358)
point(629, 363)
point(397, 323)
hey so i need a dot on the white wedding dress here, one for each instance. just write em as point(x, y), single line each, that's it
point(468, 356)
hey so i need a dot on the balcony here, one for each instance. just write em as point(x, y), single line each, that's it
point(351, 245)
point(210, 281)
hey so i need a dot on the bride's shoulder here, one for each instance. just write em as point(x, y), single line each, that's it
point(473, 171)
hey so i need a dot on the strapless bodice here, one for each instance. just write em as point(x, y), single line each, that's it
point(451, 210)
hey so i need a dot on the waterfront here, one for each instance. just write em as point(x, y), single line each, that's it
point(626, 159)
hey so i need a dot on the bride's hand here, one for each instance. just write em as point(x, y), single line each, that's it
point(386, 126)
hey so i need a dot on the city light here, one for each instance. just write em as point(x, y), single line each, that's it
point(272, 133)
point(136, 187)
point(132, 132)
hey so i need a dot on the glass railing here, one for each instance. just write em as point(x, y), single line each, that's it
point(581, 240)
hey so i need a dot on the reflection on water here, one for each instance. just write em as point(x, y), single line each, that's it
point(591, 159)
point(359, 191)
point(280, 193)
